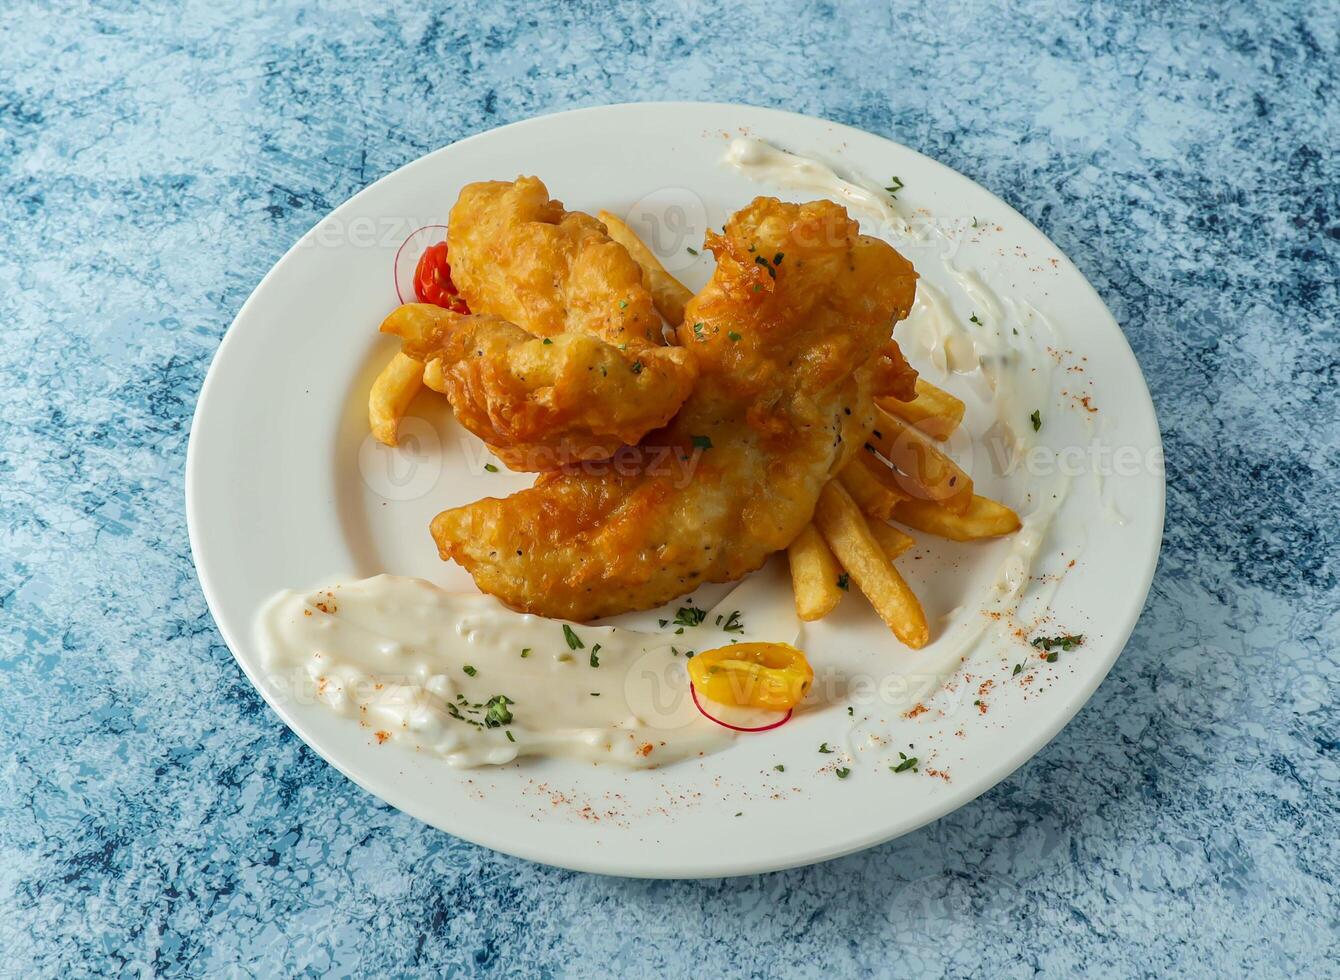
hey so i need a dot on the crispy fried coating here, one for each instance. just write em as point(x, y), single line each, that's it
point(517, 254)
point(786, 336)
point(542, 403)
point(601, 378)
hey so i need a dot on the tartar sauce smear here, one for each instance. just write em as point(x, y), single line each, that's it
point(463, 677)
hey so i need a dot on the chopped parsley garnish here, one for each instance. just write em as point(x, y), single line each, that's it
point(844, 582)
point(702, 442)
point(637, 367)
point(851, 712)
point(547, 340)
point(974, 319)
point(974, 221)
point(623, 304)
point(758, 287)
point(498, 714)
point(525, 652)
point(469, 671)
point(574, 641)
point(824, 749)
point(490, 467)
point(909, 762)
point(734, 337)
point(689, 616)
point(894, 188)
point(733, 623)
point(1067, 642)
point(691, 250)
point(1036, 419)
point(842, 773)
point(595, 694)
point(595, 661)
point(779, 767)
point(663, 622)
point(1018, 669)
point(1051, 657)
point(510, 736)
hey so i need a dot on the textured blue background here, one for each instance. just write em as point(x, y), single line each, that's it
point(154, 815)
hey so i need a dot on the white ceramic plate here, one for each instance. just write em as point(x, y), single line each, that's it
point(285, 489)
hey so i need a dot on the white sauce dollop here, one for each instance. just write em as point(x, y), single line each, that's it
point(421, 666)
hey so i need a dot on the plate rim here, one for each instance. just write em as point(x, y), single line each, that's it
point(594, 862)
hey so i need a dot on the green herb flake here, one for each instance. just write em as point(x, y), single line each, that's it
point(1036, 419)
point(1018, 669)
point(908, 762)
point(490, 467)
point(824, 749)
point(690, 616)
point(895, 187)
point(702, 442)
point(733, 623)
point(595, 661)
point(734, 337)
point(547, 340)
point(595, 694)
point(510, 736)
point(851, 712)
point(637, 367)
point(842, 773)
point(498, 714)
point(691, 250)
point(574, 641)
point(525, 652)
point(469, 671)
point(974, 319)
point(844, 582)
point(1066, 642)
point(779, 767)
point(623, 304)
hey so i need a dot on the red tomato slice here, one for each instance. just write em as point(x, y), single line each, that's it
point(432, 280)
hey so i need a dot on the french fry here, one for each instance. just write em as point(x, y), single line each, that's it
point(814, 575)
point(870, 495)
point(984, 518)
point(934, 411)
point(931, 475)
point(845, 529)
point(391, 394)
point(668, 294)
point(892, 541)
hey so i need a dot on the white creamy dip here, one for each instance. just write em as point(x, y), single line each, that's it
point(430, 669)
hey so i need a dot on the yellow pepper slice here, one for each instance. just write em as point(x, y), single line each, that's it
point(752, 675)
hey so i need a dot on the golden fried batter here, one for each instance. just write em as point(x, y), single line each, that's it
point(540, 404)
point(519, 255)
point(786, 335)
point(529, 269)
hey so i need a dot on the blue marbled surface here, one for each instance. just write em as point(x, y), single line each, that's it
point(156, 817)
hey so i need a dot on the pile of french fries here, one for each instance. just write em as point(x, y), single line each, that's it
point(902, 476)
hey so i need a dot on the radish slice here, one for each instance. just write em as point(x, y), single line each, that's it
point(737, 728)
point(407, 259)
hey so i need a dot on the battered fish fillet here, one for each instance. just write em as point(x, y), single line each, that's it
point(535, 270)
point(542, 403)
point(517, 254)
point(786, 335)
